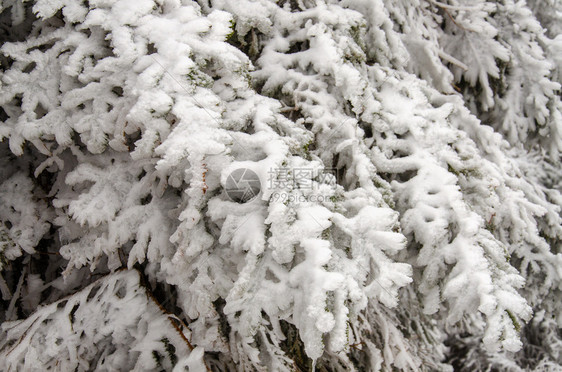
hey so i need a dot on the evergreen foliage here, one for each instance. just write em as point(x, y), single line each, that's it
point(426, 238)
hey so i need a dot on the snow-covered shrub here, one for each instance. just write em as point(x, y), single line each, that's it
point(434, 244)
point(113, 324)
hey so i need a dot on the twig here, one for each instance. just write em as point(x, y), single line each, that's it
point(453, 7)
point(6, 295)
point(452, 60)
point(446, 8)
point(172, 318)
point(48, 253)
point(12, 305)
point(205, 187)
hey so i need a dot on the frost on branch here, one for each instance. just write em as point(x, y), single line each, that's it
point(24, 219)
point(502, 46)
point(122, 207)
point(430, 245)
point(113, 323)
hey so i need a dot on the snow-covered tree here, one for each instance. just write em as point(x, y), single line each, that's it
point(407, 155)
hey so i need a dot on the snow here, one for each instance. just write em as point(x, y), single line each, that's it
point(408, 159)
point(111, 324)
